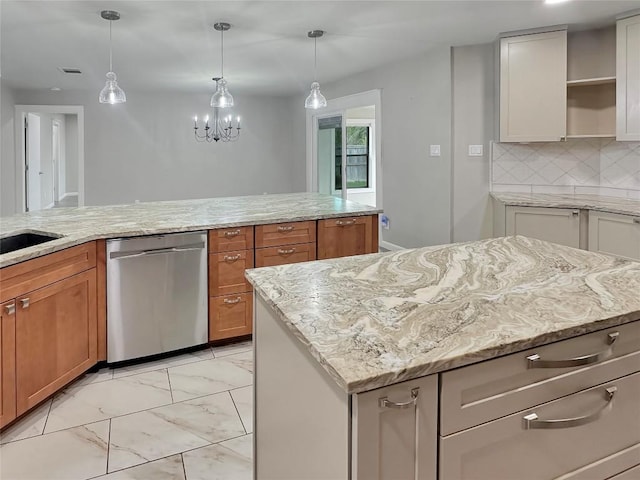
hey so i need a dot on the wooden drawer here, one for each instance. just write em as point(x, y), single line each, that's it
point(270, 257)
point(488, 390)
point(230, 316)
point(230, 239)
point(285, 234)
point(342, 237)
point(27, 276)
point(508, 449)
point(226, 272)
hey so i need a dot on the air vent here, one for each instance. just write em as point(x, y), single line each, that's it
point(74, 71)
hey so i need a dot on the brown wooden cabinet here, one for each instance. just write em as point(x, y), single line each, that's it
point(7, 363)
point(270, 257)
point(56, 337)
point(230, 316)
point(342, 237)
point(279, 234)
point(226, 272)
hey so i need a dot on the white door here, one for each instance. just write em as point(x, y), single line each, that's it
point(55, 157)
point(32, 167)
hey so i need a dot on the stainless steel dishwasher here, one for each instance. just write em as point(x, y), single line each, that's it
point(156, 294)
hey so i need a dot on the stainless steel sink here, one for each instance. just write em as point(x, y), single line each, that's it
point(24, 240)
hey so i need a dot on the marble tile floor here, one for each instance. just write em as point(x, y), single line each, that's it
point(187, 417)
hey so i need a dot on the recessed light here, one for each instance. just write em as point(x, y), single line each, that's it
point(552, 2)
point(55, 89)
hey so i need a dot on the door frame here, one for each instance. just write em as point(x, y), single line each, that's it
point(335, 106)
point(20, 113)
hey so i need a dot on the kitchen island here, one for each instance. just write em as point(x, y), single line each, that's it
point(509, 358)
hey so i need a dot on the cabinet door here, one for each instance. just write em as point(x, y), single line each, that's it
point(395, 430)
point(557, 225)
point(226, 272)
point(230, 316)
point(56, 337)
point(614, 234)
point(628, 79)
point(7, 363)
point(533, 87)
point(341, 237)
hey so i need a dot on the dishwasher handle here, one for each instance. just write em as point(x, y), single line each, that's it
point(159, 251)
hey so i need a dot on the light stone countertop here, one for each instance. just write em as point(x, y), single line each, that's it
point(379, 319)
point(79, 225)
point(624, 206)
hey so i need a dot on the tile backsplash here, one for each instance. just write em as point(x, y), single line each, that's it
point(592, 165)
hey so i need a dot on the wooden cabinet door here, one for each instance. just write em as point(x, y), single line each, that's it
point(279, 234)
point(226, 272)
point(341, 237)
point(56, 337)
point(230, 316)
point(395, 431)
point(533, 87)
point(614, 234)
point(628, 79)
point(270, 257)
point(557, 225)
point(7, 363)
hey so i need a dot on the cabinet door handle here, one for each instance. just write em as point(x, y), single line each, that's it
point(531, 421)
point(232, 258)
point(384, 402)
point(25, 302)
point(10, 309)
point(636, 220)
point(287, 228)
point(282, 251)
point(232, 233)
point(342, 223)
point(575, 213)
point(232, 301)
point(534, 361)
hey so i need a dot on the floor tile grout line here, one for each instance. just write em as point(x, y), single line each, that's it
point(170, 387)
point(184, 468)
point(238, 412)
point(108, 448)
point(46, 420)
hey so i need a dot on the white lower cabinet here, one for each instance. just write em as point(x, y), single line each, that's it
point(557, 225)
point(592, 434)
point(395, 431)
point(614, 234)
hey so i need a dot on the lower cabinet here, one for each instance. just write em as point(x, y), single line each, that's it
point(395, 431)
point(7, 363)
point(342, 237)
point(271, 257)
point(614, 234)
point(557, 225)
point(56, 337)
point(230, 316)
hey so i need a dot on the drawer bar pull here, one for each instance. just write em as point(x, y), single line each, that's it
point(232, 233)
point(532, 421)
point(342, 223)
point(25, 302)
point(534, 361)
point(384, 402)
point(232, 258)
point(233, 301)
point(10, 309)
point(289, 251)
point(287, 228)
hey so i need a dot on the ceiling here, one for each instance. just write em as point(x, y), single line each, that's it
point(171, 45)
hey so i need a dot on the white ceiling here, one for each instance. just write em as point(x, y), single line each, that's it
point(161, 45)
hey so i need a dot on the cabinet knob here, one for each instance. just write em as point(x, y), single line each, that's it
point(10, 309)
point(575, 213)
point(25, 302)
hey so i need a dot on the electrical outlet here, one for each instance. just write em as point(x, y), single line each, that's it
point(475, 151)
point(434, 150)
point(384, 221)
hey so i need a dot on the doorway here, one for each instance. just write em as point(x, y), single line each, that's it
point(50, 162)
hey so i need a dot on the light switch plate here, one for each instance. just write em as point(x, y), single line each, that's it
point(475, 151)
point(434, 150)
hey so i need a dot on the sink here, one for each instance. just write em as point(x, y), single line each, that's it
point(23, 240)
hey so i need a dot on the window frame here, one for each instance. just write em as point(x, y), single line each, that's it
point(371, 167)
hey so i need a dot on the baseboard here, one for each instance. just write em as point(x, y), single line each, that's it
point(69, 194)
point(51, 205)
point(390, 246)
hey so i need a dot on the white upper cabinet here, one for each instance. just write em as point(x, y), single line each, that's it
point(628, 79)
point(533, 87)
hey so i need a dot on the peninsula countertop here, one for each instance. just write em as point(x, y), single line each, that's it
point(624, 206)
point(379, 319)
point(78, 225)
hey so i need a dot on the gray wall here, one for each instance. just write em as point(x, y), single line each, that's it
point(416, 112)
point(7, 157)
point(144, 149)
point(71, 157)
point(473, 124)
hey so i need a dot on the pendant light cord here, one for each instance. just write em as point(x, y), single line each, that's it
point(222, 54)
point(110, 49)
point(315, 59)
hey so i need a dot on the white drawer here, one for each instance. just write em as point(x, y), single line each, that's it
point(495, 388)
point(506, 449)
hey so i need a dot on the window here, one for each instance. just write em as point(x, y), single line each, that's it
point(358, 156)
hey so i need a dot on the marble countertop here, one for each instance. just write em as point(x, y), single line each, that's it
point(79, 225)
point(625, 206)
point(375, 320)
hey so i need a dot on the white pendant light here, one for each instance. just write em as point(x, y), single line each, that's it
point(111, 93)
point(221, 98)
point(315, 99)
